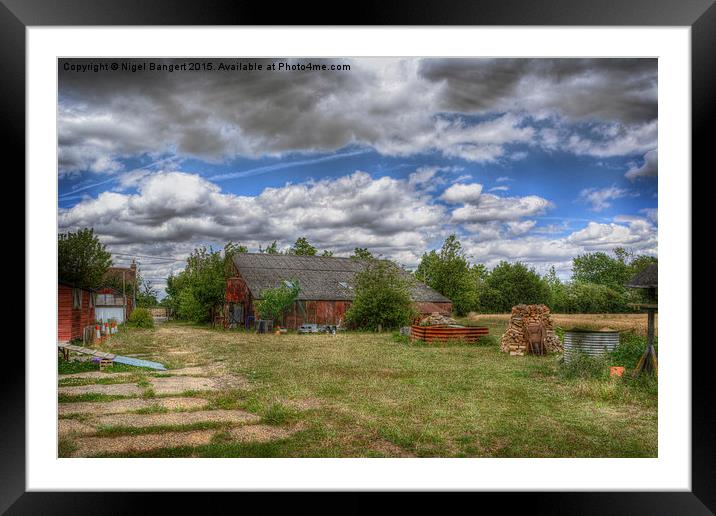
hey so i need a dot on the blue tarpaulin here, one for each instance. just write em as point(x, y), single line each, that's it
point(139, 363)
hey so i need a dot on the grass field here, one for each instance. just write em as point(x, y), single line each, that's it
point(359, 395)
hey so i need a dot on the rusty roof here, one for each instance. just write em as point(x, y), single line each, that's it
point(647, 278)
point(320, 277)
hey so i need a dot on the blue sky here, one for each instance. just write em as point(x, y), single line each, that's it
point(531, 160)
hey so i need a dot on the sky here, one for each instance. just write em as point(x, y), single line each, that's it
point(536, 160)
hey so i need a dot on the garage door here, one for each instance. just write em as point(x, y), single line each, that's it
point(105, 313)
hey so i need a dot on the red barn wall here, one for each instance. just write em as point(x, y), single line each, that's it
point(71, 321)
point(429, 308)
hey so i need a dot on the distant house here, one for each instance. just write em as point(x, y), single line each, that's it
point(325, 282)
point(75, 311)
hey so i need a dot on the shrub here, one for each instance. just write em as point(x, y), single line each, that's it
point(140, 318)
point(274, 301)
point(382, 297)
point(631, 347)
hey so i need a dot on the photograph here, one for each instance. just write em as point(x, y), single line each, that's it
point(359, 257)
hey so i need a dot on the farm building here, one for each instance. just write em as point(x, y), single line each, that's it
point(117, 298)
point(111, 304)
point(325, 282)
point(75, 311)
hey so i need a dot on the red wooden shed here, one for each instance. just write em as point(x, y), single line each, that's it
point(75, 311)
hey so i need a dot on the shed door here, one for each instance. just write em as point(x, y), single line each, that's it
point(105, 313)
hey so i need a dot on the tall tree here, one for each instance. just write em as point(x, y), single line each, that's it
point(81, 258)
point(449, 272)
point(602, 269)
point(362, 253)
point(303, 248)
point(512, 284)
point(271, 249)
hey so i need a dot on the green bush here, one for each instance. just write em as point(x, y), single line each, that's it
point(140, 318)
point(382, 297)
point(275, 301)
point(628, 352)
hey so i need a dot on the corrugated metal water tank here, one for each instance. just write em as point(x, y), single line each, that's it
point(594, 343)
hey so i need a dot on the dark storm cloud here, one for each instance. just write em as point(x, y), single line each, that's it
point(398, 107)
point(603, 89)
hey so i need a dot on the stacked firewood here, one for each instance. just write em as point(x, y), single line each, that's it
point(515, 339)
point(436, 318)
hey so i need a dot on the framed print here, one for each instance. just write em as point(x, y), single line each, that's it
point(416, 253)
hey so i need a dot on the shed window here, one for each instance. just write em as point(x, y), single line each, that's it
point(76, 298)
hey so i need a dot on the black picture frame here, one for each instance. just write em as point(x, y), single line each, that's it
point(700, 15)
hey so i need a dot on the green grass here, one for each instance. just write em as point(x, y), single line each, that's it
point(375, 395)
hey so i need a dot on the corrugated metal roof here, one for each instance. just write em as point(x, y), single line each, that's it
point(319, 277)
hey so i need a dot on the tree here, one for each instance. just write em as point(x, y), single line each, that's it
point(602, 269)
point(271, 249)
point(146, 294)
point(327, 253)
point(200, 288)
point(231, 249)
point(303, 248)
point(81, 258)
point(362, 253)
point(511, 284)
point(557, 291)
point(449, 273)
point(382, 297)
point(275, 301)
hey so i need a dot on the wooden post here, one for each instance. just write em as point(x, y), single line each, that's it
point(648, 363)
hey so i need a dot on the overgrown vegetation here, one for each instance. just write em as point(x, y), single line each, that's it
point(275, 301)
point(140, 318)
point(382, 297)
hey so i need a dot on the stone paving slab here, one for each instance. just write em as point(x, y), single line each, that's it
point(95, 374)
point(89, 446)
point(119, 406)
point(177, 418)
point(119, 389)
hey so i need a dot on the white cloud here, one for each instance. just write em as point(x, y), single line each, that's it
point(600, 198)
point(499, 189)
point(462, 193)
point(491, 207)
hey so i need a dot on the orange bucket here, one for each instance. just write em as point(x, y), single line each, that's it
point(616, 371)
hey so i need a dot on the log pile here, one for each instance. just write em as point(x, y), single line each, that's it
point(436, 318)
point(514, 340)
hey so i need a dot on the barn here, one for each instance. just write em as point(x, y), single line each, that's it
point(326, 291)
point(75, 311)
